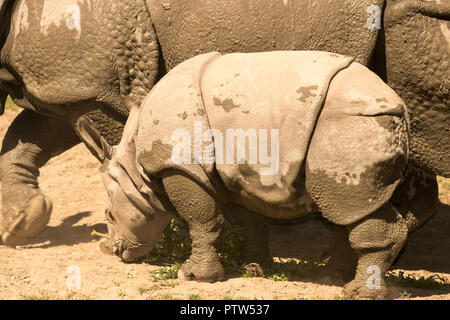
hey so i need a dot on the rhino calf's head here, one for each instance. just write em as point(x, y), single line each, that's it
point(133, 225)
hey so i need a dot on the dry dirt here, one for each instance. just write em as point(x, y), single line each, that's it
point(41, 268)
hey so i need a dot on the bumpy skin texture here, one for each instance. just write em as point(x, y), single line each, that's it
point(422, 78)
point(109, 58)
point(105, 61)
point(363, 164)
point(186, 28)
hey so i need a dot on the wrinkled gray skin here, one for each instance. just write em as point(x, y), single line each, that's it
point(78, 86)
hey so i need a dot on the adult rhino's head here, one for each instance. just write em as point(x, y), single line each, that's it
point(136, 216)
point(6, 7)
point(417, 36)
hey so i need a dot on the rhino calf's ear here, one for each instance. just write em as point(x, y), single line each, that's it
point(93, 140)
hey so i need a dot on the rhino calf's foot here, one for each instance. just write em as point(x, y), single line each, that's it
point(27, 220)
point(377, 240)
point(199, 269)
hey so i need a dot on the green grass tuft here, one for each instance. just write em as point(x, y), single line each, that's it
point(9, 105)
point(174, 245)
point(169, 271)
point(43, 295)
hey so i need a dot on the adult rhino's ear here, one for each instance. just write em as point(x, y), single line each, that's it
point(93, 140)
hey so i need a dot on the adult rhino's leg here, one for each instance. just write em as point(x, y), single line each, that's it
point(417, 198)
point(202, 212)
point(30, 142)
point(255, 247)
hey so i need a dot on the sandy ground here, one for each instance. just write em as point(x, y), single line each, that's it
point(44, 267)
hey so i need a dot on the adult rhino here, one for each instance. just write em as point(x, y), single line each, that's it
point(77, 67)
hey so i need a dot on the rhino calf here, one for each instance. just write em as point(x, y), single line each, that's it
point(282, 134)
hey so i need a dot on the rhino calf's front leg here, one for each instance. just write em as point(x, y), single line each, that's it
point(30, 142)
point(202, 212)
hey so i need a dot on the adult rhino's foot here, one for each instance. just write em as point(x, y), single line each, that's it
point(206, 271)
point(23, 219)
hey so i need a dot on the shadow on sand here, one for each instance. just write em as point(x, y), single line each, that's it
point(66, 234)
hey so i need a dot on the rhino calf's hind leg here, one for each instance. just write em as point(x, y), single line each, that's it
point(417, 198)
point(30, 142)
point(342, 263)
point(255, 247)
point(202, 212)
point(377, 240)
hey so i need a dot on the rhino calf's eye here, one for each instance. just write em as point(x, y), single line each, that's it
point(109, 216)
